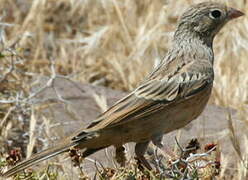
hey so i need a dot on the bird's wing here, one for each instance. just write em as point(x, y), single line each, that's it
point(161, 88)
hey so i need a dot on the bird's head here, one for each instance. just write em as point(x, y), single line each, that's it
point(206, 19)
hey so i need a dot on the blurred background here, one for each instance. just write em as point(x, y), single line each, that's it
point(110, 43)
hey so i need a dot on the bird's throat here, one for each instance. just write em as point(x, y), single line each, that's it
point(192, 44)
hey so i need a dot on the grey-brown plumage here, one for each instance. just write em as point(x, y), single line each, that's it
point(174, 94)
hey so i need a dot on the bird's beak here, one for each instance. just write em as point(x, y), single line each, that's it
point(234, 13)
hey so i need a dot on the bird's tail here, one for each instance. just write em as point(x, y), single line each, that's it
point(41, 156)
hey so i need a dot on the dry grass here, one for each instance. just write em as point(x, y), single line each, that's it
point(105, 42)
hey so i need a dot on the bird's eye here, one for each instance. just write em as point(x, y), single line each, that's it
point(215, 14)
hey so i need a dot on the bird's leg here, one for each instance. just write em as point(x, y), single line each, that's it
point(120, 155)
point(157, 141)
point(140, 149)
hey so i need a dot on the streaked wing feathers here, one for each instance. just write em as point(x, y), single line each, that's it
point(159, 90)
point(153, 95)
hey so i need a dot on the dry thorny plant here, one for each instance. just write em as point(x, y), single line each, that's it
point(18, 102)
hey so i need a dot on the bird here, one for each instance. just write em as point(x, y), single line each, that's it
point(171, 96)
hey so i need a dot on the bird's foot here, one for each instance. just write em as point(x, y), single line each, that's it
point(120, 155)
point(143, 163)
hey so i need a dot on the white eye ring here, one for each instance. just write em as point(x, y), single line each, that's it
point(215, 14)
